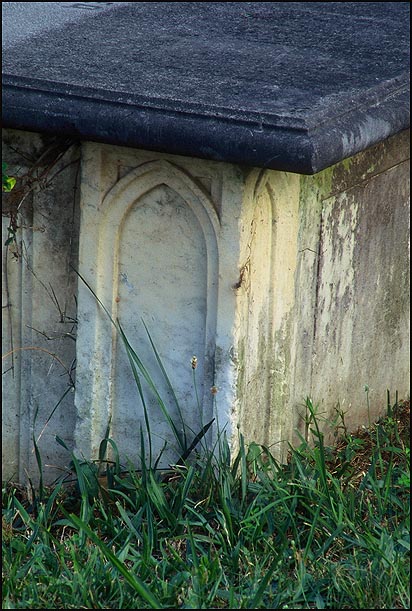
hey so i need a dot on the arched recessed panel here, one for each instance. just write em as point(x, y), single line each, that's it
point(155, 264)
point(255, 303)
point(266, 299)
point(162, 278)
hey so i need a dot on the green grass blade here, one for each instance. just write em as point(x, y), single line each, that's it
point(243, 469)
point(136, 361)
point(103, 443)
point(139, 587)
point(195, 441)
point(126, 518)
point(135, 358)
point(168, 382)
point(255, 601)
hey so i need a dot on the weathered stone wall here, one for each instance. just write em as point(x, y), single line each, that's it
point(283, 286)
point(39, 291)
point(353, 287)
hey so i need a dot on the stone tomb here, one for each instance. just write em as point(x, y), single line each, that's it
point(161, 242)
point(281, 285)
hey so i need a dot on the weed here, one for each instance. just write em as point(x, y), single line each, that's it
point(329, 529)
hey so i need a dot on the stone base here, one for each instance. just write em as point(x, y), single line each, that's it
point(282, 286)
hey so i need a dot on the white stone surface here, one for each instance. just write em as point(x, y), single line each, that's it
point(150, 247)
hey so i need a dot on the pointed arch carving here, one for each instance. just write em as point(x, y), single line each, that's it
point(155, 216)
point(267, 297)
point(132, 187)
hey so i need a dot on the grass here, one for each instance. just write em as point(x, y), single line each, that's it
point(327, 530)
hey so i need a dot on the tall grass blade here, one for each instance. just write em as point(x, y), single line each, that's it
point(168, 382)
point(158, 498)
point(38, 458)
point(139, 369)
point(126, 518)
point(255, 601)
point(243, 469)
point(132, 361)
point(153, 388)
point(138, 586)
point(103, 443)
point(195, 441)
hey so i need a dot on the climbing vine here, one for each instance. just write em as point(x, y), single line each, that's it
point(40, 172)
point(7, 181)
point(7, 184)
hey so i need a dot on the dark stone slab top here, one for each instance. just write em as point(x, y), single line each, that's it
point(295, 86)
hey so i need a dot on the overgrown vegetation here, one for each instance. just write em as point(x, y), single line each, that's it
point(327, 530)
